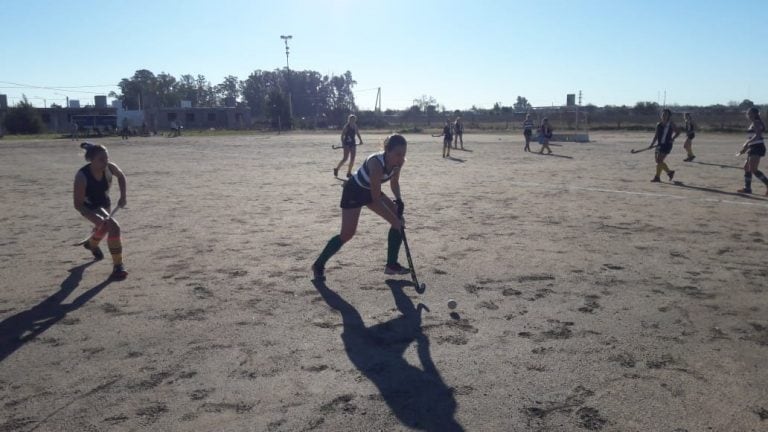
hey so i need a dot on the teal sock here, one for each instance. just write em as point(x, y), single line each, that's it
point(394, 240)
point(333, 246)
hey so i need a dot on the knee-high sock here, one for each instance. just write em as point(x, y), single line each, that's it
point(748, 181)
point(333, 246)
point(98, 234)
point(759, 174)
point(658, 169)
point(116, 249)
point(664, 167)
point(394, 240)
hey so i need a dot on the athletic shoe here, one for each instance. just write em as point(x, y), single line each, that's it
point(692, 158)
point(671, 175)
point(656, 179)
point(335, 172)
point(97, 253)
point(744, 191)
point(396, 269)
point(318, 273)
point(349, 175)
point(118, 273)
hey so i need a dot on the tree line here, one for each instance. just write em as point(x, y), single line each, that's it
point(309, 95)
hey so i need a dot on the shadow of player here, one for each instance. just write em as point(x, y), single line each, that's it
point(418, 397)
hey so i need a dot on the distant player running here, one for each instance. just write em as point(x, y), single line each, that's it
point(364, 189)
point(348, 144)
point(91, 199)
point(754, 147)
point(447, 138)
point(527, 132)
point(666, 132)
point(458, 131)
point(690, 133)
point(545, 134)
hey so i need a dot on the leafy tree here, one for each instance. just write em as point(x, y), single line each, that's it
point(746, 104)
point(646, 108)
point(23, 118)
point(522, 104)
point(228, 91)
point(276, 105)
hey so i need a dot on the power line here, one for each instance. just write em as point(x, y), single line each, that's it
point(60, 88)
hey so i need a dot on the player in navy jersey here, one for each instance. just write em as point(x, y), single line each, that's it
point(545, 134)
point(363, 189)
point(665, 135)
point(348, 144)
point(690, 134)
point(754, 147)
point(458, 133)
point(527, 132)
point(91, 199)
point(447, 138)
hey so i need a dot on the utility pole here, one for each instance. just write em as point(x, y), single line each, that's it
point(285, 39)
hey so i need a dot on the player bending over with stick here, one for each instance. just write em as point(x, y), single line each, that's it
point(666, 132)
point(348, 144)
point(755, 149)
point(91, 199)
point(364, 189)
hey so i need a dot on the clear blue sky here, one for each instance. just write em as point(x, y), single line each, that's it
point(462, 53)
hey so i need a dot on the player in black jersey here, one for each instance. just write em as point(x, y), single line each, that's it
point(545, 134)
point(458, 133)
point(364, 189)
point(91, 199)
point(665, 135)
point(348, 144)
point(447, 138)
point(690, 134)
point(754, 147)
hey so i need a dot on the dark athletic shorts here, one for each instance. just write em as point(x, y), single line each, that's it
point(756, 150)
point(665, 149)
point(348, 144)
point(447, 141)
point(691, 135)
point(354, 195)
point(527, 132)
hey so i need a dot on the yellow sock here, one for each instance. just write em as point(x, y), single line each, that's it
point(658, 169)
point(690, 152)
point(116, 249)
point(664, 167)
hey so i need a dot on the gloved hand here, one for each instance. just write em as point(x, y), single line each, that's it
point(400, 207)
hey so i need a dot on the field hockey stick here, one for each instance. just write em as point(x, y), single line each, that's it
point(633, 151)
point(436, 136)
point(410, 260)
point(335, 147)
point(98, 227)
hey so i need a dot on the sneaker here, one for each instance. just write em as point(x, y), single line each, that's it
point(744, 191)
point(671, 175)
point(349, 175)
point(97, 253)
point(656, 179)
point(335, 172)
point(118, 273)
point(318, 273)
point(690, 159)
point(396, 269)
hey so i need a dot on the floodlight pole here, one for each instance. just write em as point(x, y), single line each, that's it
point(285, 39)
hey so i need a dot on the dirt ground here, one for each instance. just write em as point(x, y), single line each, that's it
point(588, 297)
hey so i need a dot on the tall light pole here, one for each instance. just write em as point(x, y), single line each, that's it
point(285, 39)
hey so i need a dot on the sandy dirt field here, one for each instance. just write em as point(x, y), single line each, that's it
point(588, 297)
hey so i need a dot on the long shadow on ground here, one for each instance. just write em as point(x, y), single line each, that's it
point(419, 398)
point(21, 328)
point(718, 191)
point(718, 165)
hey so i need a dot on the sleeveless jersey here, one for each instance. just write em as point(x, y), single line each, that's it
point(96, 191)
point(689, 127)
point(752, 130)
point(349, 135)
point(363, 174)
point(664, 133)
point(447, 132)
point(458, 127)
